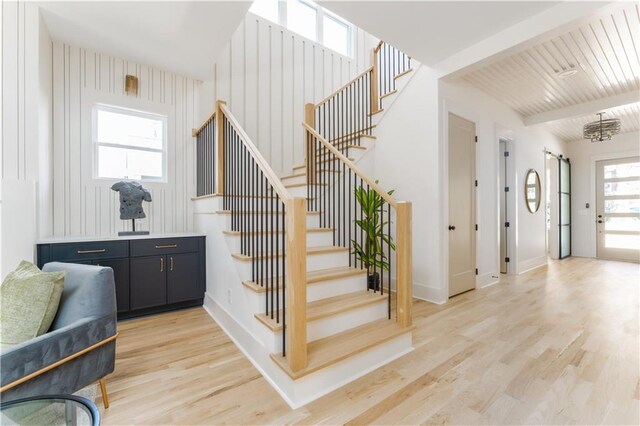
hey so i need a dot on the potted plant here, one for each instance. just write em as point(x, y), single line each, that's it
point(371, 252)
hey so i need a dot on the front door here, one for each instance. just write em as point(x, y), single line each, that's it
point(462, 205)
point(618, 209)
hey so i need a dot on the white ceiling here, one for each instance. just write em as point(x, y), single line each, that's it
point(434, 30)
point(604, 50)
point(570, 129)
point(181, 36)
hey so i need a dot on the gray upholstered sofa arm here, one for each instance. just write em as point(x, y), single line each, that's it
point(78, 349)
point(43, 351)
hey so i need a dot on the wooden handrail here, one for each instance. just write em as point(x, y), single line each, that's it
point(378, 46)
point(344, 86)
point(271, 176)
point(389, 199)
point(196, 132)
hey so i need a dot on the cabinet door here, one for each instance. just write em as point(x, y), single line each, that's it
point(183, 281)
point(121, 276)
point(148, 282)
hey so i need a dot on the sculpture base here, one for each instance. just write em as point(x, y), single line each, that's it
point(123, 233)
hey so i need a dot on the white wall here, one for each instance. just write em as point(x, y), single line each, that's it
point(406, 159)
point(494, 119)
point(411, 157)
point(267, 73)
point(25, 130)
point(583, 155)
point(86, 206)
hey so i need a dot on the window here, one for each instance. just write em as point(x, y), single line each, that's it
point(129, 144)
point(309, 20)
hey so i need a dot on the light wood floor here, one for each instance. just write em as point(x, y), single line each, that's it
point(556, 345)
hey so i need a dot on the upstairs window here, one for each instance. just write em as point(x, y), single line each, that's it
point(129, 144)
point(309, 20)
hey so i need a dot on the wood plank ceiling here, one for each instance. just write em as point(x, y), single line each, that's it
point(604, 51)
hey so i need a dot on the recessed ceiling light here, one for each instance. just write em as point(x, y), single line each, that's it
point(567, 73)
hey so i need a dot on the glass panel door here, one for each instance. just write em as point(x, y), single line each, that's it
point(618, 209)
point(564, 206)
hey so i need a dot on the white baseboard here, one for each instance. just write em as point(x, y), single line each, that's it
point(531, 264)
point(428, 294)
point(486, 280)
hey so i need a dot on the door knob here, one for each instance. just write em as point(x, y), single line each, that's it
point(452, 228)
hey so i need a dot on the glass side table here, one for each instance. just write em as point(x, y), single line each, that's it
point(65, 410)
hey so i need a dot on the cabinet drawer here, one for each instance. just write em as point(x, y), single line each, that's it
point(163, 246)
point(68, 252)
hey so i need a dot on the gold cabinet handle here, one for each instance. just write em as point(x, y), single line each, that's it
point(162, 264)
point(167, 246)
point(171, 263)
point(91, 251)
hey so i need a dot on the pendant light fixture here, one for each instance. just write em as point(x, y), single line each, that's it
point(601, 129)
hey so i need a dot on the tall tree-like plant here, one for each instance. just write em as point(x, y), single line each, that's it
point(371, 252)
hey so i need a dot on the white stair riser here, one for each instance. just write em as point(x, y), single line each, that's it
point(334, 324)
point(313, 221)
point(298, 191)
point(336, 287)
point(297, 179)
point(316, 291)
point(346, 320)
point(314, 239)
point(315, 262)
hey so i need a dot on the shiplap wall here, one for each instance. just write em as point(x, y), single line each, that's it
point(267, 73)
point(86, 206)
point(20, 90)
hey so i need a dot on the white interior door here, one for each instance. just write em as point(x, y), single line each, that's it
point(504, 218)
point(462, 205)
point(618, 209)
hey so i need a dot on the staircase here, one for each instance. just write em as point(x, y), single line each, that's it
point(317, 305)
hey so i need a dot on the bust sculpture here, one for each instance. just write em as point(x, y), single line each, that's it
point(132, 194)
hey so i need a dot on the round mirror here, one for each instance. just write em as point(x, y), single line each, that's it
point(532, 190)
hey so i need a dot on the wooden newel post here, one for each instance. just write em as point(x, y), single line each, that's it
point(310, 143)
point(404, 263)
point(375, 95)
point(296, 284)
point(220, 144)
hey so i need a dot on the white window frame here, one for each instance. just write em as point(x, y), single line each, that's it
point(96, 144)
point(320, 14)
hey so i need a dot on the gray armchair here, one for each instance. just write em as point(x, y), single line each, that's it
point(78, 349)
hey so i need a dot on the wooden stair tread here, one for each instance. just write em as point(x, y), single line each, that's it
point(314, 277)
point(343, 139)
point(227, 212)
point(278, 231)
point(295, 175)
point(302, 166)
point(310, 252)
point(393, 92)
point(330, 306)
point(330, 350)
point(376, 112)
point(403, 73)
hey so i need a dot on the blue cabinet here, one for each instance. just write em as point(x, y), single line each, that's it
point(151, 274)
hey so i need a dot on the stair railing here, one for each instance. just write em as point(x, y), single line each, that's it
point(344, 115)
point(205, 136)
point(347, 111)
point(389, 63)
point(336, 189)
point(272, 228)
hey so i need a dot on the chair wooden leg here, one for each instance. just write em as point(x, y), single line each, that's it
point(103, 390)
